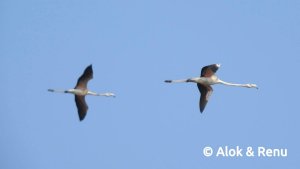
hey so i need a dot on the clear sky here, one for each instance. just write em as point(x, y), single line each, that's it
point(134, 46)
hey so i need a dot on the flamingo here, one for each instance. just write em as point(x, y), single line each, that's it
point(204, 82)
point(80, 91)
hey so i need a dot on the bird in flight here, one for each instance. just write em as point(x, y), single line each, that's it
point(204, 82)
point(81, 90)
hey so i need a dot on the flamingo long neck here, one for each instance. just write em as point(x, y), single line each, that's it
point(101, 94)
point(92, 93)
point(233, 84)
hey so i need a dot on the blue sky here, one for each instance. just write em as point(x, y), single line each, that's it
point(134, 46)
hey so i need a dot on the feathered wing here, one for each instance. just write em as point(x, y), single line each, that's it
point(82, 107)
point(205, 92)
point(84, 78)
point(208, 71)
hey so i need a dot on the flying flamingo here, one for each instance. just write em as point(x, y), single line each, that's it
point(80, 91)
point(205, 81)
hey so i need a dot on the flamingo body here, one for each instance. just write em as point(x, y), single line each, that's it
point(204, 82)
point(81, 90)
